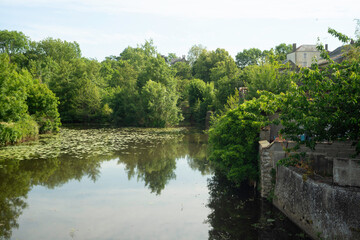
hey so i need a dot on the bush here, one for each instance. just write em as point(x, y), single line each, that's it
point(233, 138)
point(14, 132)
point(42, 106)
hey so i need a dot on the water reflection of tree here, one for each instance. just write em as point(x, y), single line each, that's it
point(239, 213)
point(18, 177)
point(197, 150)
point(14, 186)
point(155, 163)
point(233, 210)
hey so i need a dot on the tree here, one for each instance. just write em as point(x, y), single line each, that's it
point(118, 73)
point(159, 103)
point(224, 68)
point(207, 60)
point(170, 57)
point(127, 106)
point(13, 42)
point(182, 70)
point(225, 88)
point(272, 77)
point(282, 50)
point(58, 50)
point(77, 85)
point(201, 99)
point(43, 106)
point(324, 105)
point(248, 57)
point(13, 91)
point(233, 139)
point(156, 69)
point(194, 53)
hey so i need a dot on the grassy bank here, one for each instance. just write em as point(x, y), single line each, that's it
point(20, 131)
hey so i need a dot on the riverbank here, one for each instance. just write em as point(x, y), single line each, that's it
point(15, 132)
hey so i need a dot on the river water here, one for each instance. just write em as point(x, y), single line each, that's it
point(127, 183)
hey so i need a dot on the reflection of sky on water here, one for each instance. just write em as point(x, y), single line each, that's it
point(117, 208)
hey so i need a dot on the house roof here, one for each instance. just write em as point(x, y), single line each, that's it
point(307, 48)
point(337, 55)
point(175, 60)
point(292, 65)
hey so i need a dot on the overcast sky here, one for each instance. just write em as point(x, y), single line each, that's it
point(106, 27)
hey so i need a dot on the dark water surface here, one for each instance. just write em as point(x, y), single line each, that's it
point(127, 184)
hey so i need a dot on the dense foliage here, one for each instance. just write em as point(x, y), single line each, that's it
point(43, 81)
point(321, 104)
point(27, 107)
point(324, 104)
point(233, 138)
point(271, 77)
point(255, 56)
point(138, 87)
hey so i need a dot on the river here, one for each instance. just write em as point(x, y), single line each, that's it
point(127, 183)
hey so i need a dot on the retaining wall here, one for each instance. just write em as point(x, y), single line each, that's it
point(324, 211)
point(321, 207)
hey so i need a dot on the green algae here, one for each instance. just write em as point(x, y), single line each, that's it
point(85, 143)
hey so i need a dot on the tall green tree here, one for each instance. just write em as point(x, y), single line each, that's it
point(272, 77)
point(248, 57)
point(195, 52)
point(77, 85)
point(201, 99)
point(324, 105)
point(159, 103)
point(13, 42)
point(207, 60)
point(58, 49)
point(282, 50)
point(43, 106)
point(13, 91)
point(182, 70)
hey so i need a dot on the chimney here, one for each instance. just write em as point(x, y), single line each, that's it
point(326, 47)
point(294, 47)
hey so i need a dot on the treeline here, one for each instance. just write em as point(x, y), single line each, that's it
point(139, 87)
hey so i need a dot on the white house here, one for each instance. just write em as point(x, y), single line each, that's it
point(304, 55)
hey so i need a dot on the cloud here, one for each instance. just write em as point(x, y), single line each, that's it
point(208, 9)
point(87, 35)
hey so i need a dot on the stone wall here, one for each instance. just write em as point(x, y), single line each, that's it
point(346, 172)
point(270, 154)
point(265, 168)
point(323, 210)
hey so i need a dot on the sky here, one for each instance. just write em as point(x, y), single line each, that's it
point(107, 27)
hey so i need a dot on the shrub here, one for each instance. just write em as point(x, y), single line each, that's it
point(233, 138)
point(14, 132)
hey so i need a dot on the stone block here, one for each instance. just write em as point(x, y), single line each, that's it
point(278, 155)
point(264, 144)
point(341, 176)
point(265, 153)
point(341, 163)
point(346, 172)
